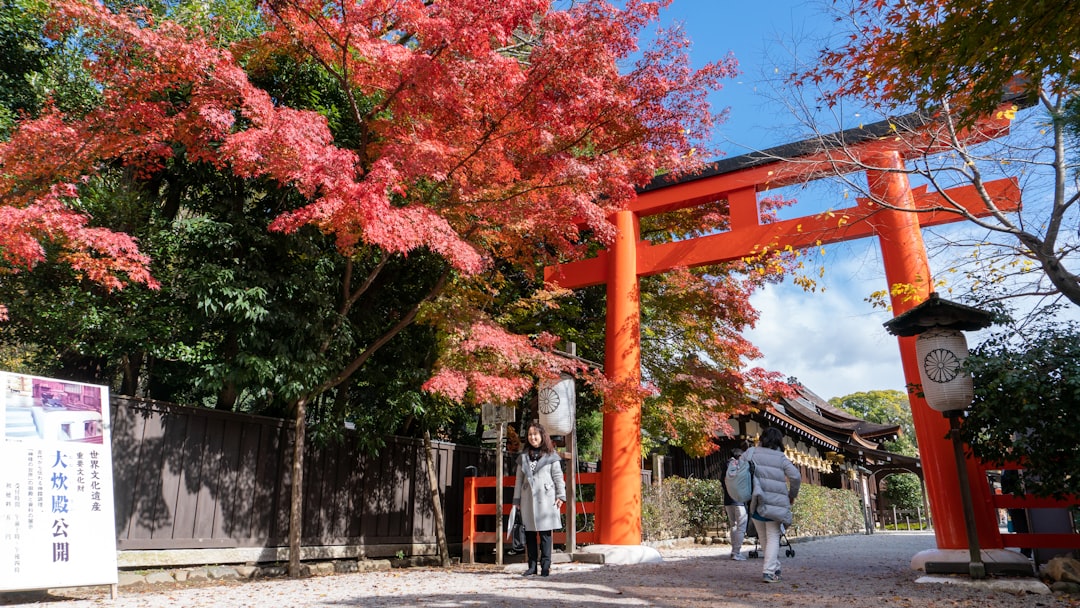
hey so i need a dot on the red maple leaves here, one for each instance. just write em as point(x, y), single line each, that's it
point(487, 128)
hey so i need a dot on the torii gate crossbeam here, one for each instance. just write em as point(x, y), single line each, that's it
point(739, 181)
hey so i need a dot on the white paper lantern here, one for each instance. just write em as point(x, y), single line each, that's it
point(941, 353)
point(556, 401)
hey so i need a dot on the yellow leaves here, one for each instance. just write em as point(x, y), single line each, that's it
point(878, 299)
point(907, 292)
point(1008, 114)
point(805, 282)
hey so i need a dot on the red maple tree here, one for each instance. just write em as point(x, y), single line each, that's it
point(488, 129)
point(38, 220)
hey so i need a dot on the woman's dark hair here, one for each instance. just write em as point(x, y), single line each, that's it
point(740, 449)
point(545, 441)
point(772, 438)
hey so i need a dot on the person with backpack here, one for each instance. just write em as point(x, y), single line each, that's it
point(539, 494)
point(736, 509)
point(776, 485)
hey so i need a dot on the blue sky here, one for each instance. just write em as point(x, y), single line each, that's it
point(832, 341)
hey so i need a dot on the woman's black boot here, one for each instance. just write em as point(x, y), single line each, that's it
point(531, 571)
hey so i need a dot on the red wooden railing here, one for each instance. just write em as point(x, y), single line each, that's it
point(1033, 540)
point(473, 509)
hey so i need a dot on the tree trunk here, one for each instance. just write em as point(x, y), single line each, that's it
point(436, 500)
point(131, 364)
point(296, 504)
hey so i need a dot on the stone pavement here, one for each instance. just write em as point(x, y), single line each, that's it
point(857, 571)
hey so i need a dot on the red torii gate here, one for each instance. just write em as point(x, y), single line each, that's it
point(881, 153)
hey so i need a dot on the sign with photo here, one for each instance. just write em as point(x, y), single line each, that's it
point(56, 517)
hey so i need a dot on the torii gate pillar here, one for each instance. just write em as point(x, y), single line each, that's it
point(619, 509)
point(904, 255)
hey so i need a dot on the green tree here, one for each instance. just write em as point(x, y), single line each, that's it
point(36, 70)
point(884, 407)
point(1027, 385)
point(903, 491)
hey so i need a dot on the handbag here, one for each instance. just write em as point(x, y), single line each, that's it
point(516, 533)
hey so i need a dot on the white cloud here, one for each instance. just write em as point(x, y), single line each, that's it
point(833, 342)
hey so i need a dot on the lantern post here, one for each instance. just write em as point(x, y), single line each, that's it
point(941, 350)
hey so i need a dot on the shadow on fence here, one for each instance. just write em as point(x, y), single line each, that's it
point(194, 478)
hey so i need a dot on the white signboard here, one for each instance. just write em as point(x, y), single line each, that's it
point(56, 518)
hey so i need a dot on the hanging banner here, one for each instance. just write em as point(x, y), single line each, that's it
point(56, 518)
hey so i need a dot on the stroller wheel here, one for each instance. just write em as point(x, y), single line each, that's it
point(753, 554)
point(791, 553)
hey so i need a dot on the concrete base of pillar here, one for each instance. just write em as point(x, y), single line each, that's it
point(955, 561)
point(623, 554)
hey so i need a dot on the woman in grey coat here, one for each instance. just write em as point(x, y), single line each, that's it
point(776, 484)
point(539, 493)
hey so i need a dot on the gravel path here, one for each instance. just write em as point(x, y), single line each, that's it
point(842, 572)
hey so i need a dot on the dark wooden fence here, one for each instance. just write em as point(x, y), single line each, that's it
point(192, 478)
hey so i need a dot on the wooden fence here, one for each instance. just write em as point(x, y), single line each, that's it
point(480, 510)
point(901, 519)
point(1046, 540)
point(193, 478)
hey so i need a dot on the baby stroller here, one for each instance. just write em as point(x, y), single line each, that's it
point(756, 552)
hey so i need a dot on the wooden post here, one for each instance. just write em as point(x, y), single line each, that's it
point(468, 523)
point(571, 498)
point(499, 494)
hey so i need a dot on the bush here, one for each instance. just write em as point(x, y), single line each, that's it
point(695, 507)
point(822, 511)
point(704, 502)
point(663, 514)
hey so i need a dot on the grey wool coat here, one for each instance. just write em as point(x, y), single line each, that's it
point(776, 484)
point(535, 493)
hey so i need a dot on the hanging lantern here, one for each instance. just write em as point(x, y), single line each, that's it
point(941, 354)
point(556, 401)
